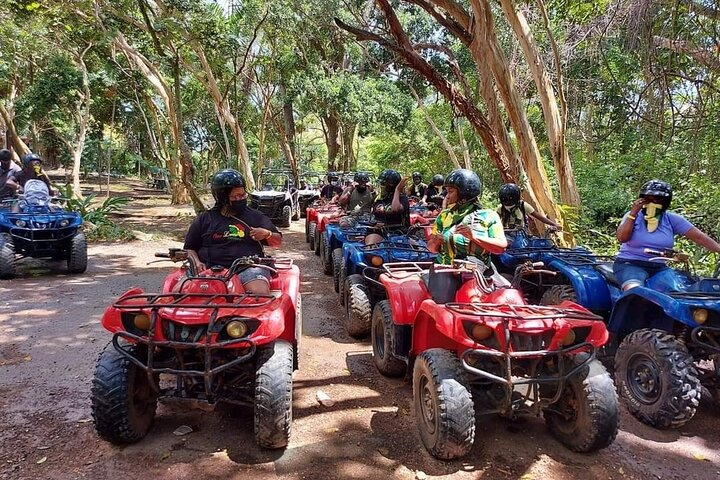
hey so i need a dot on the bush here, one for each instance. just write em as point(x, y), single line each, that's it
point(104, 228)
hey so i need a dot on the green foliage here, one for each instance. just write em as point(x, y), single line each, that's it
point(98, 215)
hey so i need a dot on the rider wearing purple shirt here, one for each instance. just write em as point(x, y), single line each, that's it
point(649, 225)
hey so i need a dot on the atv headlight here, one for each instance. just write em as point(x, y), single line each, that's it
point(236, 329)
point(376, 261)
point(480, 332)
point(141, 321)
point(569, 338)
point(700, 315)
point(20, 223)
point(64, 222)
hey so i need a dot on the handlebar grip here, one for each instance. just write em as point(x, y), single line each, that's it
point(162, 255)
point(538, 264)
point(650, 251)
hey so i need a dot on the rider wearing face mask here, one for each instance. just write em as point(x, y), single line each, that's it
point(357, 197)
point(32, 170)
point(650, 225)
point(514, 212)
point(230, 230)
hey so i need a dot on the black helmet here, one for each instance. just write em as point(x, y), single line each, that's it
point(223, 182)
point(416, 177)
point(438, 180)
point(29, 158)
point(389, 178)
point(658, 188)
point(332, 177)
point(509, 194)
point(466, 181)
point(361, 177)
point(5, 155)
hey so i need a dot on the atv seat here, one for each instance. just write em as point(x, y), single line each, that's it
point(606, 270)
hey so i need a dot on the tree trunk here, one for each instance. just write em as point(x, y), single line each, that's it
point(332, 133)
point(348, 146)
point(485, 41)
point(18, 146)
point(467, 162)
point(554, 121)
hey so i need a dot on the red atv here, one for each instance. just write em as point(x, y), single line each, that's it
point(219, 343)
point(476, 347)
point(316, 217)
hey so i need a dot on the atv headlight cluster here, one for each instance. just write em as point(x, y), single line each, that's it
point(700, 315)
point(64, 222)
point(478, 332)
point(21, 223)
point(137, 323)
point(236, 329)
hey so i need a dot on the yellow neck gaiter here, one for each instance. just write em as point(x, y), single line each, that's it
point(652, 216)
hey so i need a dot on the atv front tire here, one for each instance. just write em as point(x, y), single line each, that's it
point(383, 342)
point(557, 294)
point(326, 255)
point(357, 307)
point(77, 255)
point(585, 418)
point(337, 262)
point(444, 409)
point(7, 261)
point(273, 395)
point(657, 379)
point(123, 401)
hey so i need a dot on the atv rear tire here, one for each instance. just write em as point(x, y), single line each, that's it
point(383, 341)
point(123, 401)
point(273, 395)
point(657, 379)
point(312, 231)
point(357, 307)
point(341, 283)
point(585, 418)
point(77, 254)
point(557, 294)
point(444, 409)
point(7, 261)
point(326, 255)
point(286, 215)
point(307, 231)
point(337, 261)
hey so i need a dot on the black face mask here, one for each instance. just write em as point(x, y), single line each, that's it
point(238, 206)
point(361, 188)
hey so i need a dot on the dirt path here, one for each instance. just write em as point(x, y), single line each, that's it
point(50, 337)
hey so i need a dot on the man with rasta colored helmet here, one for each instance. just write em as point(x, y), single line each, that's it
point(417, 188)
point(230, 230)
point(465, 228)
point(514, 212)
point(357, 197)
point(7, 168)
point(650, 225)
point(31, 170)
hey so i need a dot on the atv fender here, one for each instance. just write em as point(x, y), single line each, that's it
point(111, 317)
point(642, 307)
point(405, 296)
point(435, 327)
point(591, 288)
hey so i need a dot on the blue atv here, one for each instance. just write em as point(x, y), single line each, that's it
point(359, 272)
point(347, 228)
point(662, 331)
point(30, 226)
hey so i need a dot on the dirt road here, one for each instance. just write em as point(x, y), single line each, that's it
point(50, 338)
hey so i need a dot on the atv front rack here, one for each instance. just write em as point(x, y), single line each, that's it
point(213, 301)
point(523, 312)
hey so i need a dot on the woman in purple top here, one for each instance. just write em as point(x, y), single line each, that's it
point(649, 225)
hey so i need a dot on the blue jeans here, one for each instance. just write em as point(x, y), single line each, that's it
point(635, 271)
point(254, 273)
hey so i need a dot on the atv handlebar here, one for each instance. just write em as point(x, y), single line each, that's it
point(668, 255)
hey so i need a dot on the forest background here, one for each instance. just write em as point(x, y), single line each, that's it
point(579, 102)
